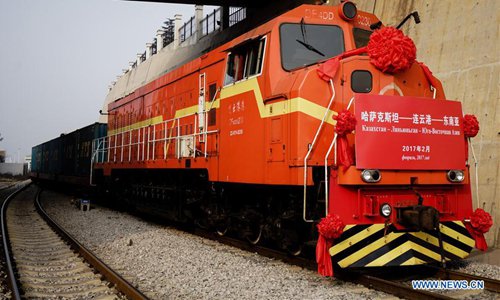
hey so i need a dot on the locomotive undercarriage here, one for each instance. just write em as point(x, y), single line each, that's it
point(257, 213)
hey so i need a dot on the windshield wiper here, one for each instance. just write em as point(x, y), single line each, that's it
point(309, 47)
point(304, 38)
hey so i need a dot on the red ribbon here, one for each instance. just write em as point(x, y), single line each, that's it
point(346, 123)
point(478, 237)
point(323, 258)
point(328, 70)
point(329, 228)
point(480, 223)
point(428, 75)
point(346, 157)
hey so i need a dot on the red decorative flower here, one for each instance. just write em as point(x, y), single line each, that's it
point(471, 126)
point(331, 227)
point(390, 50)
point(481, 221)
point(346, 123)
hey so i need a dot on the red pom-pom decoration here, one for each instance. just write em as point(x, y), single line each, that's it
point(471, 126)
point(331, 227)
point(346, 123)
point(390, 50)
point(481, 221)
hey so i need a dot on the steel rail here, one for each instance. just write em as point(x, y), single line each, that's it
point(396, 289)
point(407, 292)
point(120, 283)
point(6, 246)
point(489, 284)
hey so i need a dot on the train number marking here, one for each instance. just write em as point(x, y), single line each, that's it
point(363, 20)
point(317, 14)
point(236, 132)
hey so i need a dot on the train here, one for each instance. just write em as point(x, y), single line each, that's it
point(67, 158)
point(318, 127)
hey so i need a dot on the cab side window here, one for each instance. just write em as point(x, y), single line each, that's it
point(245, 61)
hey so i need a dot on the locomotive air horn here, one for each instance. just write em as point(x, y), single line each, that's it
point(415, 16)
point(105, 113)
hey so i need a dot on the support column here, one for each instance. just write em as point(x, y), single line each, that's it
point(149, 50)
point(177, 26)
point(224, 15)
point(139, 58)
point(198, 16)
point(159, 40)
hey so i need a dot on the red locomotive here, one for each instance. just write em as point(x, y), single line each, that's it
point(321, 111)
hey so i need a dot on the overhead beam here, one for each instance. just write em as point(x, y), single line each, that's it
point(234, 3)
point(258, 11)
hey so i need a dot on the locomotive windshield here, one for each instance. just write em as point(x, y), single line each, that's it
point(361, 37)
point(306, 44)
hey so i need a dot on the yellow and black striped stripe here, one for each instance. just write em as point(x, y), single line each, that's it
point(376, 246)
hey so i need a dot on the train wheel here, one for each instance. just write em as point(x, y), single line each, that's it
point(201, 224)
point(295, 249)
point(222, 226)
point(221, 221)
point(291, 240)
point(254, 234)
point(222, 229)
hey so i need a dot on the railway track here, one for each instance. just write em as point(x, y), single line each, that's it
point(396, 287)
point(378, 282)
point(6, 188)
point(491, 285)
point(402, 288)
point(45, 262)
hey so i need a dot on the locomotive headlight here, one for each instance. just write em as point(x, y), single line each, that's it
point(385, 210)
point(348, 10)
point(371, 175)
point(455, 175)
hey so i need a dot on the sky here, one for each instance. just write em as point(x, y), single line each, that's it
point(58, 57)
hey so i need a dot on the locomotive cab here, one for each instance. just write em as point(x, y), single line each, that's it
point(403, 187)
point(407, 182)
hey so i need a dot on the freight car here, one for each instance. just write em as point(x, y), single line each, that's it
point(66, 159)
point(321, 113)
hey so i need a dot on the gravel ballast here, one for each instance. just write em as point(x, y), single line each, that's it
point(481, 269)
point(167, 263)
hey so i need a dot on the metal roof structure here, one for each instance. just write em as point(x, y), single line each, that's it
point(240, 3)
